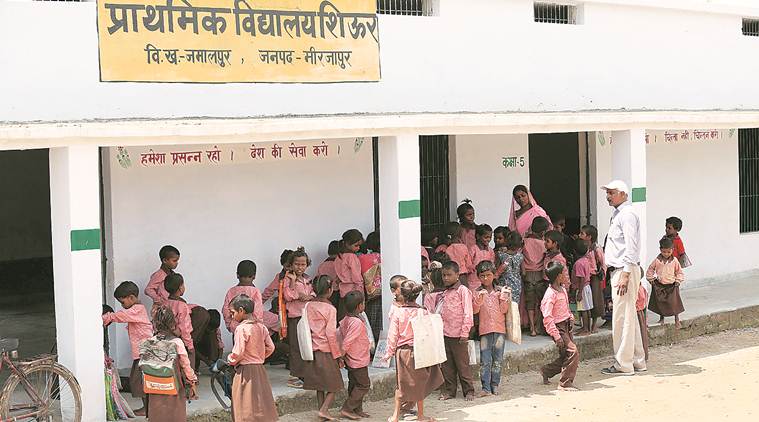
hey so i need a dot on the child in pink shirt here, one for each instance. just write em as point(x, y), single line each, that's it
point(356, 359)
point(480, 252)
point(455, 305)
point(581, 285)
point(252, 397)
point(533, 266)
point(558, 320)
point(640, 308)
point(139, 328)
point(169, 256)
point(491, 304)
point(328, 268)
point(246, 273)
point(459, 253)
point(414, 385)
point(465, 212)
point(323, 373)
point(665, 275)
point(296, 291)
point(174, 284)
point(597, 270)
point(348, 267)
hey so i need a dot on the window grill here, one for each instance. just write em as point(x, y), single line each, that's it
point(751, 27)
point(748, 174)
point(555, 13)
point(405, 7)
point(434, 181)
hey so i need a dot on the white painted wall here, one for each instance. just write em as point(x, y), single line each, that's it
point(219, 215)
point(477, 173)
point(476, 56)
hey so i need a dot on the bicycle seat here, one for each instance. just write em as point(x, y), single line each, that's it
point(8, 344)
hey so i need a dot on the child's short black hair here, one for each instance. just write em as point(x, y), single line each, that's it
point(462, 209)
point(448, 232)
point(514, 240)
point(352, 300)
point(485, 266)
point(410, 291)
point(164, 321)
point(167, 252)
point(284, 257)
point(214, 319)
point(300, 252)
point(322, 284)
point(126, 288)
point(501, 230)
point(246, 268)
point(451, 266)
point(666, 243)
point(554, 236)
point(107, 309)
point(581, 247)
point(173, 282)
point(333, 248)
point(350, 237)
point(553, 270)
point(428, 236)
point(676, 223)
point(372, 242)
point(481, 229)
point(539, 225)
point(591, 231)
point(244, 302)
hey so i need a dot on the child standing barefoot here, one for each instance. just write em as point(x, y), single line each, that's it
point(296, 292)
point(356, 345)
point(558, 321)
point(348, 267)
point(581, 282)
point(413, 385)
point(534, 251)
point(491, 304)
point(323, 373)
point(252, 399)
point(665, 275)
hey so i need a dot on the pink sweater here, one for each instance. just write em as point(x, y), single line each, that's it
point(348, 269)
point(252, 344)
point(138, 324)
point(258, 306)
point(457, 311)
point(459, 253)
point(322, 317)
point(155, 289)
point(492, 308)
point(301, 286)
point(478, 255)
point(184, 325)
point(665, 271)
point(533, 251)
point(355, 341)
point(401, 333)
point(555, 308)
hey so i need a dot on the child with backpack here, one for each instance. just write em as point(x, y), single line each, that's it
point(165, 366)
point(252, 398)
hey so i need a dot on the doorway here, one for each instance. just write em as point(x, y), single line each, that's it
point(556, 166)
point(434, 180)
point(27, 305)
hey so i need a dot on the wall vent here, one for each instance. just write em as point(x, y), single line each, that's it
point(558, 13)
point(405, 7)
point(751, 27)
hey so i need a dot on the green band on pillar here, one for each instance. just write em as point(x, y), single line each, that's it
point(85, 240)
point(409, 209)
point(639, 195)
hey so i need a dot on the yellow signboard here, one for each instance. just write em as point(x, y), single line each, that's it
point(238, 40)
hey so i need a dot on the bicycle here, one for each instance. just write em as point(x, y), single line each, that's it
point(221, 383)
point(38, 389)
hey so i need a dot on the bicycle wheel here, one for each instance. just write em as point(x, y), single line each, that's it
point(217, 387)
point(56, 389)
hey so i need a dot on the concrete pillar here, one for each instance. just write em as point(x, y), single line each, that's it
point(629, 164)
point(400, 223)
point(75, 220)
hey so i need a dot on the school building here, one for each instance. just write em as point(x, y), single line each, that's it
point(474, 98)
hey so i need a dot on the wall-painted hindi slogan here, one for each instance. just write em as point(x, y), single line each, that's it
point(238, 40)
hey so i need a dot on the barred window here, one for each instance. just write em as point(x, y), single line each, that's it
point(405, 7)
point(546, 12)
point(751, 27)
point(748, 173)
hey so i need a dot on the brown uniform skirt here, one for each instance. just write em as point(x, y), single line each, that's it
point(599, 305)
point(169, 408)
point(665, 300)
point(252, 399)
point(296, 362)
point(323, 373)
point(415, 384)
point(135, 380)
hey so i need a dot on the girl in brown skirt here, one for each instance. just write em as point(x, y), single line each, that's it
point(165, 408)
point(665, 275)
point(323, 373)
point(296, 292)
point(414, 385)
point(252, 399)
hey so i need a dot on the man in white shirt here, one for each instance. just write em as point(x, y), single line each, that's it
point(622, 254)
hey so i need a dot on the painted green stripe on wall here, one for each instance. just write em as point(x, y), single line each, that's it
point(639, 195)
point(85, 240)
point(409, 209)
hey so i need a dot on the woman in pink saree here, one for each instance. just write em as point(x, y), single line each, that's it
point(521, 219)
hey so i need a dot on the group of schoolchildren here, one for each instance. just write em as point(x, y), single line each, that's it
point(468, 283)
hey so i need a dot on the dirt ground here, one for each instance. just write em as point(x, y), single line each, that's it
point(706, 378)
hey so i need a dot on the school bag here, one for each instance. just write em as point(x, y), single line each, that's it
point(429, 345)
point(372, 276)
point(157, 357)
point(304, 337)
